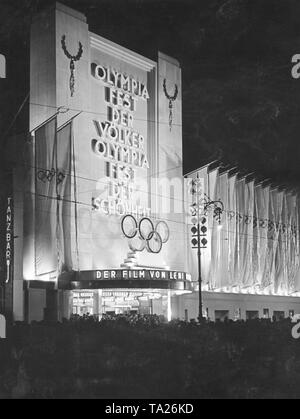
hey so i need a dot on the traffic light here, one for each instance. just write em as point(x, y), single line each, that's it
point(194, 230)
point(202, 234)
point(204, 243)
point(195, 243)
point(204, 225)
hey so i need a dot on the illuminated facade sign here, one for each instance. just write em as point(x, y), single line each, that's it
point(119, 143)
point(125, 278)
point(9, 240)
point(149, 274)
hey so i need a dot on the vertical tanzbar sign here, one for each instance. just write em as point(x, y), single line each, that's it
point(9, 239)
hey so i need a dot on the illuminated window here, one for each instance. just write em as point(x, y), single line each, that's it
point(237, 314)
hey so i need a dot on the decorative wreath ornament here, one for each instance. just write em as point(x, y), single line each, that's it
point(171, 99)
point(73, 59)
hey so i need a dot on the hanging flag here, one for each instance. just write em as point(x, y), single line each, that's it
point(232, 230)
point(240, 254)
point(45, 199)
point(294, 240)
point(222, 232)
point(283, 246)
point(248, 280)
point(64, 197)
point(215, 274)
point(277, 256)
point(262, 199)
point(256, 238)
point(212, 238)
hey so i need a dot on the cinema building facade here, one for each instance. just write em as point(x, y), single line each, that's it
point(100, 211)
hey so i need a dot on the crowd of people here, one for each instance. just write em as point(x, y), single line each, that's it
point(146, 357)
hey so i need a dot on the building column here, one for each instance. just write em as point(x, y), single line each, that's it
point(51, 310)
point(169, 312)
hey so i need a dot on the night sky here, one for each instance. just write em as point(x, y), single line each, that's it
point(240, 102)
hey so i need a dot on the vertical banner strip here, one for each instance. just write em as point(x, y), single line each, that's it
point(45, 199)
point(64, 198)
point(75, 198)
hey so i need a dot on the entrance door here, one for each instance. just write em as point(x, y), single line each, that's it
point(278, 315)
point(221, 315)
point(141, 302)
point(84, 303)
point(252, 315)
point(120, 302)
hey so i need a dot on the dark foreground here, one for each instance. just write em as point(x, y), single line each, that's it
point(146, 358)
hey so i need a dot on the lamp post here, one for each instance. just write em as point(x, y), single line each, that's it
point(202, 208)
point(200, 316)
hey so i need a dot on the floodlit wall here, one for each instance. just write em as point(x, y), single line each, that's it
point(126, 148)
point(234, 306)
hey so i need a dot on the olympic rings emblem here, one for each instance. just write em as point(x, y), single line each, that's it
point(144, 234)
point(48, 175)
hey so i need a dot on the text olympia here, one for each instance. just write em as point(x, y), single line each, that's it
point(120, 81)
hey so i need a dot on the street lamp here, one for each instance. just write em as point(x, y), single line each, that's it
point(199, 241)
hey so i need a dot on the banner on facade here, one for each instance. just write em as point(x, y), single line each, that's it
point(45, 199)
